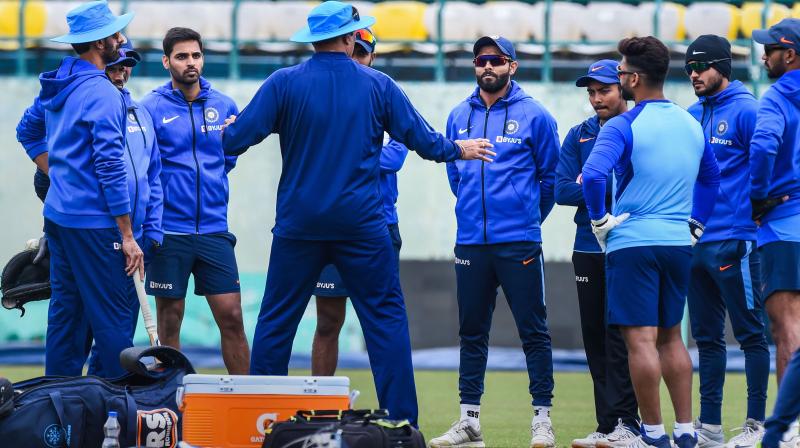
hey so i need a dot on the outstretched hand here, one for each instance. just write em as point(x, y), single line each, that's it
point(476, 149)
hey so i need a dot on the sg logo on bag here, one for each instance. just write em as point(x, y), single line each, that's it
point(157, 429)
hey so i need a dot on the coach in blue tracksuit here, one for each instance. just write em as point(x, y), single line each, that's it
point(143, 167)
point(188, 115)
point(775, 195)
point(614, 400)
point(726, 273)
point(666, 183)
point(499, 211)
point(331, 120)
point(88, 222)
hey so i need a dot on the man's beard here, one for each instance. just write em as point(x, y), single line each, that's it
point(710, 89)
point(775, 72)
point(627, 94)
point(181, 79)
point(495, 86)
point(111, 53)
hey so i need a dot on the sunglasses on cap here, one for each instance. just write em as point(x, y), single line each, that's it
point(700, 67)
point(493, 59)
point(366, 36)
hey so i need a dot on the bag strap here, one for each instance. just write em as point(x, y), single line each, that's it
point(58, 405)
point(132, 417)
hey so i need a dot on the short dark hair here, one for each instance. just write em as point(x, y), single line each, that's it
point(178, 34)
point(82, 47)
point(649, 56)
point(360, 51)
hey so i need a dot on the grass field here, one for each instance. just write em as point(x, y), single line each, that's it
point(506, 410)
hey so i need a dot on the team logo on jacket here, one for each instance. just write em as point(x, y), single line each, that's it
point(211, 115)
point(722, 127)
point(157, 428)
point(132, 117)
point(512, 127)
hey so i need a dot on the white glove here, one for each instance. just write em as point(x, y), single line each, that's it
point(601, 227)
point(696, 229)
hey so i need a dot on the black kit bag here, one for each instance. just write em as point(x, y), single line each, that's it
point(359, 429)
point(69, 412)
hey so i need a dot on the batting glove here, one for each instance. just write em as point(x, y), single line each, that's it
point(601, 227)
point(696, 230)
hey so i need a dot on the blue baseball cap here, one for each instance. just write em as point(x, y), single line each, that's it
point(366, 38)
point(603, 71)
point(127, 56)
point(505, 45)
point(331, 19)
point(92, 21)
point(785, 33)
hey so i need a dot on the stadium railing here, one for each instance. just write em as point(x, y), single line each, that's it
point(27, 31)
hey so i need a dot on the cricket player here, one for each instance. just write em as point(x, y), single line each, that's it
point(775, 196)
point(330, 292)
point(89, 221)
point(188, 116)
point(499, 211)
point(328, 115)
point(666, 183)
point(614, 399)
point(726, 272)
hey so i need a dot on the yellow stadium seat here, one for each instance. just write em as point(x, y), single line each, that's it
point(35, 16)
point(400, 20)
point(671, 25)
point(796, 11)
point(751, 16)
point(717, 18)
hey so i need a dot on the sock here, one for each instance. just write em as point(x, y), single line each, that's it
point(709, 427)
point(541, 414)
point(471, 413)
point(654, 431)
point(683, 428)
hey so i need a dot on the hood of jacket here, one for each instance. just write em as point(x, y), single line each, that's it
point(58, 84)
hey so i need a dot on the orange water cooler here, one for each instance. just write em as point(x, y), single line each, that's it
point(234, 411)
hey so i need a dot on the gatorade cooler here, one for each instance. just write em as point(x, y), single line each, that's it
point(235, 411)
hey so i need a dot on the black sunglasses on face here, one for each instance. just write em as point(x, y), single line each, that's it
point(621, 72)
point(768, 49)
point(700, 67)
point(493, 60)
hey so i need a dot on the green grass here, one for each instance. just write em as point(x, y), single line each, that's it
point(506, 409)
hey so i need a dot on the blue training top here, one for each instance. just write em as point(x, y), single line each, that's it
point(665, 173)
point(330, 184)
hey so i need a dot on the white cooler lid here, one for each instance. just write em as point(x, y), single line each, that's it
point(267, 385)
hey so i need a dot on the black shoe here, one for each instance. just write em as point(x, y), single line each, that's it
point(6, 397)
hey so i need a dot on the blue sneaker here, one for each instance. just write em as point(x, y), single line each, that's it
point(685, 441)
point(661, 442)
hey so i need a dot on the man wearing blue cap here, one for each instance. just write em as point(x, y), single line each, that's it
point(499, 211)
point(330, 292)
point(614, 400)
point(666, 184)
point(188, 115)
point(88, 211)
point(775, 195)
point(330, 113)
point(725, 267)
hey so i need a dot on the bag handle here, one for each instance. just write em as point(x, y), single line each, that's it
point(169, 358)
point(58, 405)
point(132, 417)
point(347, 414)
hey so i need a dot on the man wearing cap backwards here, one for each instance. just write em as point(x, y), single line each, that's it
point(775, 195)
point(499, 211)
point(666, 183)
point(188, 115)
point(614, 400)
point(329, 112)
point(330, 292)
point(88, 210)
point(726, 273)
point(143, 166)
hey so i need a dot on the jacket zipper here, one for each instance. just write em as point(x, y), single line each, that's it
point(483, 180)
point(135, 181)
point(197, 172)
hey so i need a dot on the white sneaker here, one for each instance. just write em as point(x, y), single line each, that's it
point(621, 436)
point(589, 441)
point(750, 436)
point(707, 438)
point(794, 442)
point(542, 435)
point(460, 435)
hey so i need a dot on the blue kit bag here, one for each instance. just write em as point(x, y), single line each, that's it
point(69, 412)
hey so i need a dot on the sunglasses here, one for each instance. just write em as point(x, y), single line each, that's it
point(493, 60)
point(621, 72)
point(768, 49)
point(700, 67)
point(366, 36)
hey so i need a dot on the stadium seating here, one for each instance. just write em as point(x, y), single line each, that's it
point(399, 21)
point(460, 22)
point(566, 18)
point(35, 14)
point(670, 21)
point(752, 12)
point(717, 18)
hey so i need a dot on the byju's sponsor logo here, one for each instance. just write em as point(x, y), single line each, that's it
point(504, 139)
point(156, 285)
point(462, 262)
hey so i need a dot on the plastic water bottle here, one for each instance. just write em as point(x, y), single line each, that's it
point(111, 431)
